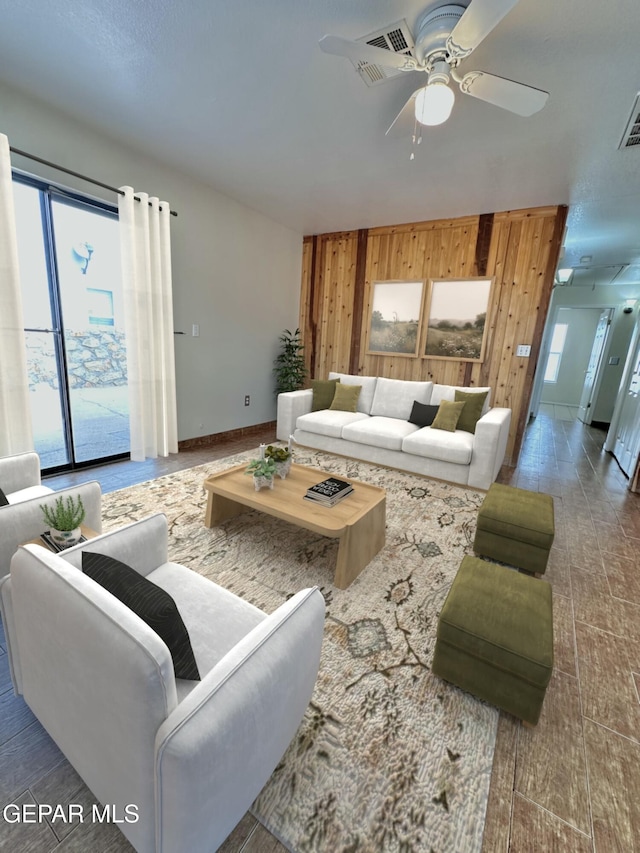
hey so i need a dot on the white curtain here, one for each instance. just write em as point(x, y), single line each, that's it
point(146, 278)
point(16, 431)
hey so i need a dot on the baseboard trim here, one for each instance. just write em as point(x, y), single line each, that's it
point(229, 435)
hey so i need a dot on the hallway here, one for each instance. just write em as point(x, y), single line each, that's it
point(572, 782)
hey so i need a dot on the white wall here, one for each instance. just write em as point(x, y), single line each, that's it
point(608, 296)
point(236, 273)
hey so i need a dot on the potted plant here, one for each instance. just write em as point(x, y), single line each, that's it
point(282, 457)
point(290, 369)
point(263, 471)
point(64, 518)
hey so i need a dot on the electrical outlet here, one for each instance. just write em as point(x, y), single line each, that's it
point(195, 330)
point(247, 400)
point(524, 350)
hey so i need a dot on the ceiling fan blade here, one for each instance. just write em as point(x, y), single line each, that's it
point(507, 94)
point(405, 120)
point(480, 17)
point(359, 51)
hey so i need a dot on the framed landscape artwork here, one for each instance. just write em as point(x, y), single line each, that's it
point(394, 324)
point(456, 317)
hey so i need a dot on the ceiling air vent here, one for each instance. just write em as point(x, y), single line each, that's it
point(631, 135)
point(395, 37)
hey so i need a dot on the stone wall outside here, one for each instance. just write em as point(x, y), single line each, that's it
point(96, 358)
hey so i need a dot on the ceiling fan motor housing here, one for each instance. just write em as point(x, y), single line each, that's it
point(433, 29)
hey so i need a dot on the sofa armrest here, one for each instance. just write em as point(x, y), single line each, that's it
point(291, 405)
point(143, 545)
point(218, 748)
point(19, 472)
point(489, 447)
point(24, 521)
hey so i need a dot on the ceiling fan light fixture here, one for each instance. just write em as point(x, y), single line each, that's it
point(434, 103)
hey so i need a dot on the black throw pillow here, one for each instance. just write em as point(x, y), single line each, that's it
point(422, 415)
point(3, 499)
point(150, 602)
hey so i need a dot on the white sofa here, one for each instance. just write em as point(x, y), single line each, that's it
point(380, 432)
point(22, 519)
point(191, 755)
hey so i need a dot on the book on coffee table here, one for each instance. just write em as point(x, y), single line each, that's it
point(329, 492)
point(53, 546)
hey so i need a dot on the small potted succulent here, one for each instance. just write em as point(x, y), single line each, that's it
point(282, 457)
point(64, 518)
point(263, 470)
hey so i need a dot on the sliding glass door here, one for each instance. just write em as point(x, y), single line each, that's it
point(72, 302)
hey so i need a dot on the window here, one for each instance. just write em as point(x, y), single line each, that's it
point(69, 255)
point(555, 352)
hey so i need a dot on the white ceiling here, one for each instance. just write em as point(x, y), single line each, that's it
point(239, 94)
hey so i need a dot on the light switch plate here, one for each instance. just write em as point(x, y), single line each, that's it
point(195, 330)
point(524, 350)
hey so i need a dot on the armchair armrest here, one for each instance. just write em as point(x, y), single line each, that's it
point(489, 447)
point(217, 749)
point(291, 405)
point(24, 521)
point(143, 545)
point(19, 472)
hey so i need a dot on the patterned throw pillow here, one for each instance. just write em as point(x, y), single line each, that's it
point(150, 602)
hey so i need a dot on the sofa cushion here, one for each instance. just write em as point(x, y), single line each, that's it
point(394, 398)
point(345, 398)
point(441, 445)
point(368, 385)
point(328, 422)
point(422, 415)
point(448, 415)
point(151, 603)
point(473, 405)
point(323, 393)
point(379, 432)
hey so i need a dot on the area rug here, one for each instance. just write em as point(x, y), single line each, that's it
point(388, 756)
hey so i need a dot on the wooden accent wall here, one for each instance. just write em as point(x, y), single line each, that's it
point(520, 248)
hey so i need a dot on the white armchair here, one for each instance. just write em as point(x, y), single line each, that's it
point(22, 519)
point(20, 477)
point(191, 755)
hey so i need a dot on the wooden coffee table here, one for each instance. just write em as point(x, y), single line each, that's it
point(358, 521)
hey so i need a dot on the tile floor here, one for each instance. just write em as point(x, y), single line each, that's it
point(572, 784)
point(569, 785)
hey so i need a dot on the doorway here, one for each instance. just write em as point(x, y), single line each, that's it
point(69, 257)
point(570, 371)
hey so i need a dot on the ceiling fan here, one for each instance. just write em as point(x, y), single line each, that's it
point(445, 36)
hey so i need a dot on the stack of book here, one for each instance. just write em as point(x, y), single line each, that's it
point(329, 492)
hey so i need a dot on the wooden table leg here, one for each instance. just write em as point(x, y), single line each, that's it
point(219, 509)
point(359, 544)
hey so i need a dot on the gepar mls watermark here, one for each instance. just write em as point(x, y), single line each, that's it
point(69, 813)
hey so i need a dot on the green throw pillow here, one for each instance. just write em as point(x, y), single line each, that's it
point(448, 415)
point(472, 410)
point(323, 392)
point(346, 398)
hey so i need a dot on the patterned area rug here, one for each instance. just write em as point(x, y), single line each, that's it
point(388, 756)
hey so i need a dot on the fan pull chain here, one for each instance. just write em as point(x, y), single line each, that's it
point(416, 139)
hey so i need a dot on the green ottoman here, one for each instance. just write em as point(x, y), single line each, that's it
point(515, 526)
point(495, 637)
